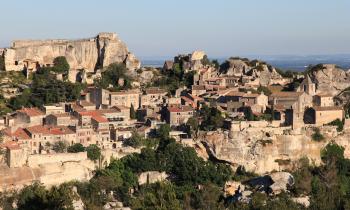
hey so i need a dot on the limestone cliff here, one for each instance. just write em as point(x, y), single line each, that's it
point(330, 78)
point(265, 150)
point(88, 54)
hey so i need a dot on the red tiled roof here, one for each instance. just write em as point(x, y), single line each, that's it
point(32, 112)
point(49, 130)
point(11, 145)
point(19, 134)
point(287, 94)
point(99, 119)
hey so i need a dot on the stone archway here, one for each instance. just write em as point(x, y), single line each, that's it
point(309, 116)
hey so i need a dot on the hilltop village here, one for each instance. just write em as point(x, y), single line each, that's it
point(70, 107)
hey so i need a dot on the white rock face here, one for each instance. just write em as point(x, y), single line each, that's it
point(330, 79)
point(151, 177)
point(104, 49)
point(282, 180)
point(305, 201)
point(261, 153)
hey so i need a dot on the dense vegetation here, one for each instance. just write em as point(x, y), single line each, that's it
point(115, 78)
point(172, 80)
point(47, 89)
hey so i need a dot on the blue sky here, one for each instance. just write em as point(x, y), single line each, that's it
point(166, 28)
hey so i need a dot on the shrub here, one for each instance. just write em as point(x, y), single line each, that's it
point(60, 147)
point(75, 148)
point(317, 136)
point(339, 123)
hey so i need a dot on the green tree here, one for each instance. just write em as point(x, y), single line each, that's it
point(60, 65)
point(163, 131)
point(2, 63)
point(112, 74)
point(93, 152)
point(212, 118)
point(59, 146)
point(192, 123)
point(265, 90)
point(75, 148)
point(134, 141)
point(36, 197)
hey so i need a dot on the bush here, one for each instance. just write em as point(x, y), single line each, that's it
point(60, 147)
point(75, 148)
point(317, 136)
point(339, 123)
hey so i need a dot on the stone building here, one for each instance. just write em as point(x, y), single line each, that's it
point(48, 135)
point(323, 100)
point(153, 97)
point(177, 115)
point(106, 99)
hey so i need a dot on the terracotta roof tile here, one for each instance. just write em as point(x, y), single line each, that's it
point(32, 112)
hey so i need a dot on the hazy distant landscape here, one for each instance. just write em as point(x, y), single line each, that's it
point(287, 62)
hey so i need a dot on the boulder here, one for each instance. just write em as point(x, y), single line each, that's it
point(233, 187)
point(305, 201)
point(197, 55)
point(152, 177)
point(281, 182)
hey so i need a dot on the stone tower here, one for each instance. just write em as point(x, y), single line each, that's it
point(307, 86)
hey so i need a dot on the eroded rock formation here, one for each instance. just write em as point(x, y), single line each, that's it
point(330, 78)
point(88, 54)
point(270, 149)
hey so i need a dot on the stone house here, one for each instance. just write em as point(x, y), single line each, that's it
point(55, 109)
point(153, 97)
point(327, 114)
point(177, 115)
point(43, 135)
point(62, 119)
point(29, 116)
point(106, 99)
point(191, 100)
point(292, 106)
point(258, 102)
point(323, 100)
point(198, 90)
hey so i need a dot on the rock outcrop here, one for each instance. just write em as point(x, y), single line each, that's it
point(269, 149)
point(48, 174)
point(150, 177)
point(242, 67)
point(330, 79)
point(88, 54)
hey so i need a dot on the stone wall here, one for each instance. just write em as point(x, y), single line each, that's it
point(35, 160)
